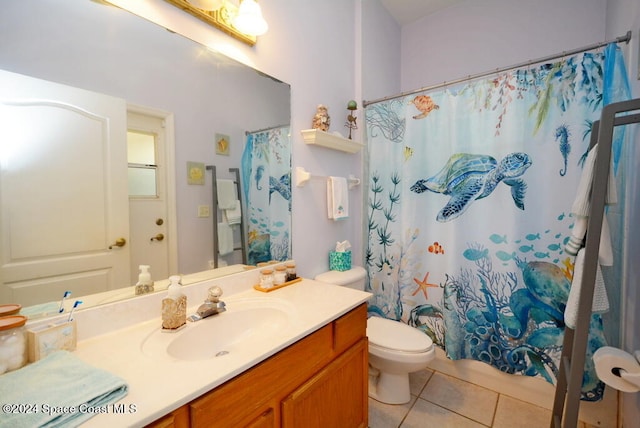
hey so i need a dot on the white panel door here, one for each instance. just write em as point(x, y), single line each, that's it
point(148, 213)
point(63, 191)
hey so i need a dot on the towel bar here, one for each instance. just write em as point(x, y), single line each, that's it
point(302, 176)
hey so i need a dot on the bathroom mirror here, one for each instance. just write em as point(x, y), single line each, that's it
point(199, 95)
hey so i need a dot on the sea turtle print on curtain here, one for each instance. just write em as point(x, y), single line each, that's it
point(468, 177)
point(469, 195)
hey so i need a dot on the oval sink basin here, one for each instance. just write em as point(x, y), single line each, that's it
point(244, 323)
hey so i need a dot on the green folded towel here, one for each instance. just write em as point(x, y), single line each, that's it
point(59, 390)
point(42, 310)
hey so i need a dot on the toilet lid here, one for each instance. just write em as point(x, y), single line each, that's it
point(396, 335)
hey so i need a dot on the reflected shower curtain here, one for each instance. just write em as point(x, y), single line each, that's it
point(266, 180)
point(470, 191)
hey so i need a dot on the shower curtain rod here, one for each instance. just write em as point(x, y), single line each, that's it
point(620, 39)
point(264, 129)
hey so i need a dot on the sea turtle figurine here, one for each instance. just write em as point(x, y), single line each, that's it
point(467, 177)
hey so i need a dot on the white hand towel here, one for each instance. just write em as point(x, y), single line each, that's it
point(582, 205)
point(337, 198)
point(233, 215)
point(225, 239)
point(600, 302)
point(226, 194)
point(576, 240)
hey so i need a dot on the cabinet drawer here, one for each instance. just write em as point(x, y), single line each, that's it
point(179, 418)
point(265, 420)
point(350, 328)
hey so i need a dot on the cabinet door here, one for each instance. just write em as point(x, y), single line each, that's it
point(335, 397)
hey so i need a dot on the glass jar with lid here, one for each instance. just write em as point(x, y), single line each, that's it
point(291, 271)
point(13, 342)
point(280, 276)
point(266, 278)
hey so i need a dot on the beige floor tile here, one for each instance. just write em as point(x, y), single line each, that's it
point(602, 413)
point(471, 401)
point(387, 415)
point(512, 413)
point(418, 380)
point(428, 415)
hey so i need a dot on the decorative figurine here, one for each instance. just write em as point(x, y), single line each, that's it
point(351, 119)
point(321, 119)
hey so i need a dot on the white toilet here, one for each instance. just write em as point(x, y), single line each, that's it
point(395, 349)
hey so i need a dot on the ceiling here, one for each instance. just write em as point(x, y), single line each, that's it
point(408, 11)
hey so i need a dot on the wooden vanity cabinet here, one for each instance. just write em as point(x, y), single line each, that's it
point(319, 381)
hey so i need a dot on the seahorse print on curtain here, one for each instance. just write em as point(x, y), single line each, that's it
point(468, 211)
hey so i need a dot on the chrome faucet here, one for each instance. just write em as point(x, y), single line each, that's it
point(211, 306)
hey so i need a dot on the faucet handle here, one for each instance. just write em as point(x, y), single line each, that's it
point(214, 294)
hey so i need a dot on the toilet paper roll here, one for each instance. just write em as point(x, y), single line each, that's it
point(610, 362)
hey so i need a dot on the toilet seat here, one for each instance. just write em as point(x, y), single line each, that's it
point(397, 336)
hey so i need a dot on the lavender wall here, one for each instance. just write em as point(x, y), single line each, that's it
point(472, 37)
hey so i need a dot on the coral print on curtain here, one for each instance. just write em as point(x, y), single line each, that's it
point(470, 191)
point(266, 178)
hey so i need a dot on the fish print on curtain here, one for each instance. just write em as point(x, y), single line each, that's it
point(266, 179)
point(470, 191)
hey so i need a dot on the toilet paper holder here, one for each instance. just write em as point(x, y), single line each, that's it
point(633, 378)
point(617, 368)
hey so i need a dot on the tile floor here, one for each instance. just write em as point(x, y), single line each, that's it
point(442, 401)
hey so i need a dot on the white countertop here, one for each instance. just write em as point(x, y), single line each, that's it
point(157, 386)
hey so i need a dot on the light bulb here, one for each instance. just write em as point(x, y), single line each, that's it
point(249, 19)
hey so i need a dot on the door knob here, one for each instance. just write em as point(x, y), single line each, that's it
point(158, 237)
point(120, 242)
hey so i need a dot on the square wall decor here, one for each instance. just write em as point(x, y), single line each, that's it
point(195, 173)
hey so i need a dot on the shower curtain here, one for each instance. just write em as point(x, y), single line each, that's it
point(470, 191)
point(266, 180)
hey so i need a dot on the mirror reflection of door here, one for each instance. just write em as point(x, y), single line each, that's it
point(148, 214)
point(58, 147)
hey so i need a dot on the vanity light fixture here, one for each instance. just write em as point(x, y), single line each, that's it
point(222, 14)
point(208, 5)
point(249, 19)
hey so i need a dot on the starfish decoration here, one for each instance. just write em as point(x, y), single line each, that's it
point(423, 285)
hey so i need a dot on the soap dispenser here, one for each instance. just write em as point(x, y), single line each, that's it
point(144, 284)
point(174, 306)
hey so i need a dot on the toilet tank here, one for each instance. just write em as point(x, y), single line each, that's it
point(352, 278)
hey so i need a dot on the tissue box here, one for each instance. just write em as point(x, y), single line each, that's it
point(340, 261)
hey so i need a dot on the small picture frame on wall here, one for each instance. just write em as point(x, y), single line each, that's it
point(195, 173)
point(222, 144)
